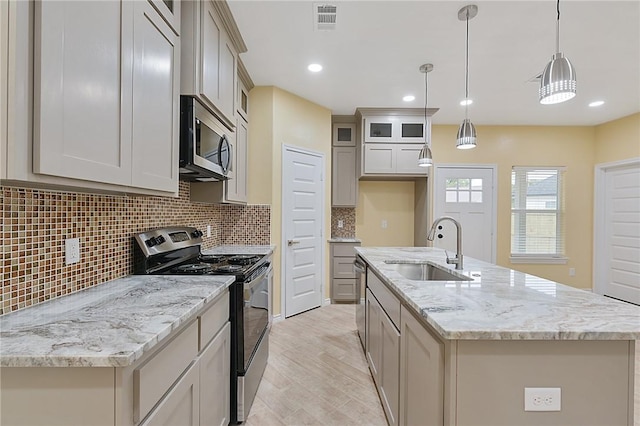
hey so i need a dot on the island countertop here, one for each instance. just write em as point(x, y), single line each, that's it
point(109, 325)
point(500, 303)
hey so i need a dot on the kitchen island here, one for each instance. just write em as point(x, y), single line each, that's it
point(467, 347)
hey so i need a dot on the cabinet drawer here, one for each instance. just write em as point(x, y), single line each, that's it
point(386, 298)
point(154, 378)
point(211, 321)
point(343, 289)
point(343, 267)
point(343, 250)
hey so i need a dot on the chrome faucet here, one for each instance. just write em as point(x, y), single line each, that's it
point(432, 233)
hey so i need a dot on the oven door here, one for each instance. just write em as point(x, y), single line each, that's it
point(255, 313)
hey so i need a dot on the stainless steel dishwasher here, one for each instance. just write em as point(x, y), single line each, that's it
point(360, 268)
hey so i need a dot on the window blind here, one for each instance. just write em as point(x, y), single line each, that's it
point(537, 228)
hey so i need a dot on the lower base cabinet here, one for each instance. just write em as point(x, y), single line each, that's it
point(183, 382)
point(182, 405)
point(421, 374)
point(383, 355)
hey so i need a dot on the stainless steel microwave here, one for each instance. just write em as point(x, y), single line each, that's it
point(205, 151)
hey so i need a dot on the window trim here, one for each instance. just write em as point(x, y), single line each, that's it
point(544, 258)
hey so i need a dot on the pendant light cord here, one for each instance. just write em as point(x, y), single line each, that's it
point(558, 28)
point(426, 102)
point(466, 71)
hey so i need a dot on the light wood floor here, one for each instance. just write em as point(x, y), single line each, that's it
point(317, 374)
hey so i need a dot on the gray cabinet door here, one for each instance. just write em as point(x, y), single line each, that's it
point(388, 383)
point(343, 181)
point(215, 379)
point(421, 374)
point(181, 406)
point(155, 101)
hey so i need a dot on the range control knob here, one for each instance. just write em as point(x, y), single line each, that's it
point(151, 242)
point(197, 233)
point(160, 239)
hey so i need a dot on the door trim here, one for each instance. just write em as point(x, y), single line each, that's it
point(283, 237)
point(494, 194)
point(599, 218)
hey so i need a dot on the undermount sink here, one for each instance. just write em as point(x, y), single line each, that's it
point(427, 272)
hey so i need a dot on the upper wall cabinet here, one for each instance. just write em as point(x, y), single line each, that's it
point(106, 94)
point(344, 134)
point(391, 142)
point(210, 46)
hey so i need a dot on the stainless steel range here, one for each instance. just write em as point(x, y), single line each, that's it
point(177, 251)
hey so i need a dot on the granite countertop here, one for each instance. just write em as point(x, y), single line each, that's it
point(237, 249)
point(344, 240)
point(109, 325)
point(502, 304)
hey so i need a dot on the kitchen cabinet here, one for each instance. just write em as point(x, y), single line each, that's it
point(215, 376)
point(397, 129)
point(383, 344)
point(393, 159)
point(211, 43)
point(344, 134)
point(344, 184)
point(390, 143)
point(185, 380)
point(343, 277)
point(4, 85)
point(170, 11)
point(155, 111)
point(95, 98)
point(421, 373)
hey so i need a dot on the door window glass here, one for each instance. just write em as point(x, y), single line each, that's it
point(463, 190)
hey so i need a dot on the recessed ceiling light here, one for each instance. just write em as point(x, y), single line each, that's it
point(596, 103)
point(315, 67)
point(466, 102)
point(409, 98)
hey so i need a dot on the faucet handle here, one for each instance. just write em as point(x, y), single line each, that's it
point(446, 253)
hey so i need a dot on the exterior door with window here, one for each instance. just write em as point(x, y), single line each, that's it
point(467, 194)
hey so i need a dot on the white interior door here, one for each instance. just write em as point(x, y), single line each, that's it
point(303, 216)
point(468, 195)
point(617, 239)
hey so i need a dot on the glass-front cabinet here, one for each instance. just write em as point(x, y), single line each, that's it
point(394, 129)
point(170, 11)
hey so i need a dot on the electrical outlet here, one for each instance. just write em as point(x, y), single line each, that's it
point(572, 272)
point(71, 250)
point(208, 230)
point(542, 399)
point(341, 224)
point(384, 224)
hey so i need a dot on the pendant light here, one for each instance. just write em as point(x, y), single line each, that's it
point(425, 159)
point(558, 82)
point(466, 138)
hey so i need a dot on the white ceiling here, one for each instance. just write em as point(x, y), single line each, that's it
point(372, 57)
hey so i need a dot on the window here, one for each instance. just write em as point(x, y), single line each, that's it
point(537, 228)
point(463, 190)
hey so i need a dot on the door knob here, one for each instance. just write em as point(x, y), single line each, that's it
point(292, 242)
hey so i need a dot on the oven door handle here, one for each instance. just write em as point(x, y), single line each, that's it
point(257, 280)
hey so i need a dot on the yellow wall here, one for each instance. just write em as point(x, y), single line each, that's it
point(508, 146)
point(289, 120)
point(618, 140)
point(390, 201)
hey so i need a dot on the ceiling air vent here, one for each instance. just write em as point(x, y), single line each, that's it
point(324, 16)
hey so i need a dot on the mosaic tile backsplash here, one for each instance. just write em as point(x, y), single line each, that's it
point(348, 216)
point(35, 224)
